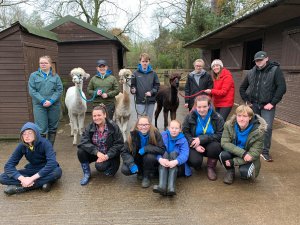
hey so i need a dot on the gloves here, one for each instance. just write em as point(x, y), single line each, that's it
point(134, 169)
point(142, 151)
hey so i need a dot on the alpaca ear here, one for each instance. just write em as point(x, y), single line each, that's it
point(87, 76)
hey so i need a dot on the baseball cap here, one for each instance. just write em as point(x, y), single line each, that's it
point(101, 62)
point(260, 55)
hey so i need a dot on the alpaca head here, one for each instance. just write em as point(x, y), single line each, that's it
point(174, 79)
point(78, 74)
point(125, 76)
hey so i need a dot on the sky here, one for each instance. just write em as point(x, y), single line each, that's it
point(146, 25)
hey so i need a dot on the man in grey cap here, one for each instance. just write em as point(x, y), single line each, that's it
point(263, 88)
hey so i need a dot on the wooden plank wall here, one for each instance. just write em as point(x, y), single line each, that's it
point(13, 91)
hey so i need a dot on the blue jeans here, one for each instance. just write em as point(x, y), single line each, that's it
point(50, 178)
point(268, 116)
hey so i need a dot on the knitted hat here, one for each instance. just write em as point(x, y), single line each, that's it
point(216, 62)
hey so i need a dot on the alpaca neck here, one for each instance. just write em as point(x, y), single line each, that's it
point(174, 92)
point(126, 91)
point(77, 95)
point(126, 88)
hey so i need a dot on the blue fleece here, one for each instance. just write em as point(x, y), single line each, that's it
point(45, 75)
point(148, 70)
point(144, 138)
point(42, 157)
point(242, 136)
point(180, 145)
point(108, 73)
point(201, 123)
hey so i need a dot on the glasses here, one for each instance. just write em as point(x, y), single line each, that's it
point(199, 66)
point(143, 125)
point(28, 133)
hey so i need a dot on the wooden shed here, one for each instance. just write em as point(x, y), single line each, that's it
point(20, 49)
point(81, 45)
point(69, 41)
point(273, 27)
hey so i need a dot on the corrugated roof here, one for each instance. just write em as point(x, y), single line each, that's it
point(267, 14)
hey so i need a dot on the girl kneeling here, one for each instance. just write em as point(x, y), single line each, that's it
point(172, 163)
point(242, 141)
point(140, 150)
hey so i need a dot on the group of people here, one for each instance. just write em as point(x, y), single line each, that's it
point(148, 153)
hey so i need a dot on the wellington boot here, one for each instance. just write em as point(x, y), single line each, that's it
point(86, 173)
point(161, 188)
point(171, 181)
point(211, 168)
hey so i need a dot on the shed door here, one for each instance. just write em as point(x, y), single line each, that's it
point(32, 55)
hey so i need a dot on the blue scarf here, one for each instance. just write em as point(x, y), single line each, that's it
point(242, 136)
point(172, 141)
point(107, 73)
point(144, 139)
point(204, 126)
point(45, 74)
point(148, 70)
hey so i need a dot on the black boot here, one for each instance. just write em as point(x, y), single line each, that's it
point(161, 188)
point(86, 173)
point(15, 189)
point(229, 176)
point(51, 137)
point(171, 181)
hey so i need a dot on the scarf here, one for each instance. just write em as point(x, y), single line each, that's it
point(242, 136)
point(204, 126)
point(144, 138)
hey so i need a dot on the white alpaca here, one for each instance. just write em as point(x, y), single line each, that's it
point(122, 111)
point(75, 104)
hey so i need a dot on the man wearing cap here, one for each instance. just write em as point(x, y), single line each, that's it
point(263, 88)
point(106, 87)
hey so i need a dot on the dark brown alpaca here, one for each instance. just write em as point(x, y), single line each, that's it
point(167, 98)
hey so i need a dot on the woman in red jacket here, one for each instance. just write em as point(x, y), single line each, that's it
point(223, 90)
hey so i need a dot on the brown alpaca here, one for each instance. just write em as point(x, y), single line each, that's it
point(167, 98)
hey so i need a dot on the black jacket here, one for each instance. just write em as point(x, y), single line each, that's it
point(114, 140)
point(128, 157)
point(191, 86)
point(143, 83)
point(190, 124)
point(264, 86)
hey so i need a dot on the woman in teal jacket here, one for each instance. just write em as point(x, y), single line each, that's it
point(45, 88)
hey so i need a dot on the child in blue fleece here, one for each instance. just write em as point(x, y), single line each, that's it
point(42, 169)
point(173, 162)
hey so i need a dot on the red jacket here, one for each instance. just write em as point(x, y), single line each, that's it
point(223, 91)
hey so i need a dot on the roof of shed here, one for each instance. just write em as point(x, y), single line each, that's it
point(268, 14)
point(40, 32)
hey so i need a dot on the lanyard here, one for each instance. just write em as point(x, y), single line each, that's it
point(206, 126)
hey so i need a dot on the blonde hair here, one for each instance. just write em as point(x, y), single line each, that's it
point(244, 109)
point(145, 56)
point(48, 58)
point(200, 61)
point(152, 130)
point(177, 121)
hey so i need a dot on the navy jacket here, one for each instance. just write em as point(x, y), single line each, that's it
point(42, 157)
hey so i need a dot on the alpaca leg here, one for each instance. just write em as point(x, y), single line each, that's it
point(71, 123)
point(173, 115)
point(125, 122)
point(157, 112)
point(75, 126)
point(166, 119)
point(81, 123)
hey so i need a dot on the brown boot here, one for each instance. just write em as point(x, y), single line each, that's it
point(211, 168)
